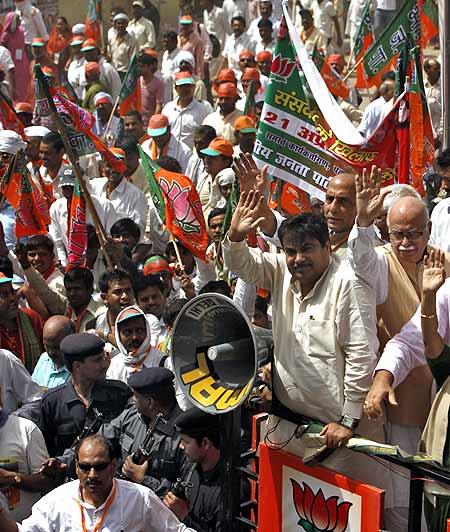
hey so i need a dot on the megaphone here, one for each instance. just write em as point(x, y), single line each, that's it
point(214, 353)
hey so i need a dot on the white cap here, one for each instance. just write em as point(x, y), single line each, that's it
point(79, 29)
point(36, 131)
point(225, 177)
point(11, 142)
point(120, 16)
point(101, 95)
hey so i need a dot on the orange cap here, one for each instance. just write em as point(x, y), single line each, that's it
point(23, 107)
point(186, 19)
point(91, 67)
point(227, 90)
point(184, 78)
point(246, 54)
point(89, 44)
point(265, 55)
point(151, 52)
point(245, 124)
point(226, 74)
point(157, 125)
point(251, 73)
point(219, 146)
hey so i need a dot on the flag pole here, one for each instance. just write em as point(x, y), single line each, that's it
point(177, 253)
point(100, 230)
point(114, 109)
point(355, 66)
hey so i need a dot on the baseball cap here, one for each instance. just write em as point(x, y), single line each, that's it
point(251, 74)
point(155, 265)
point(227, 90)
point(246, 54)
point(184, 78)
point(103, 97)
point(77, 40)
point(38, 41)
point(5, 279)
point(219, 146)
point(89, 44)
point(226, 74)
point(138, 3)
point(23, 107)
point(264, 55)
point(68, 178)
point(186, 19)
point(157, 125)
point(245, 124)
point(128, 313)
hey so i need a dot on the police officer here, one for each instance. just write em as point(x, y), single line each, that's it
point(201, 442)
point(68, 409)
point(154, 393)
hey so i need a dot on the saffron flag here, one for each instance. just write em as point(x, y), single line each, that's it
point(363, 41)
point(336, 85)
point(183, 214)
point(9, 118)
point(93, 20)
point(130, 92)
point(77, 231)
point(74, 117)
point(32, 216)
point(414, 129)
point(10, 183)
point(416, 20)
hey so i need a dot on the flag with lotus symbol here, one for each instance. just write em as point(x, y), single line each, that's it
point(178, 204)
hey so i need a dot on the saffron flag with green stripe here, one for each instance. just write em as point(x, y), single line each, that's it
point(130, 92)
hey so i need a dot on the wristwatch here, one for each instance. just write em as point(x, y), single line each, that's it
point(349, 422)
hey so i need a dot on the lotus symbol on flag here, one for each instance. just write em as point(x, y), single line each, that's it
point(179, 199)
point(318, 514)
point(282, 68)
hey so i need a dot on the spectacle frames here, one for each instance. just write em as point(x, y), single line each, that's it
point(101, 466)
point(410, 235)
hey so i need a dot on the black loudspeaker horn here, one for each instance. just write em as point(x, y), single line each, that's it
point(214, 353)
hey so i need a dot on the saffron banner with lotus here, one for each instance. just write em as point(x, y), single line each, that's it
point(299, 498)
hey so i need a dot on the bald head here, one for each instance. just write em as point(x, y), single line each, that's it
point(409, 229)
point(387, 89)
point(340, 203)
point(409, 210)
point(55, 330)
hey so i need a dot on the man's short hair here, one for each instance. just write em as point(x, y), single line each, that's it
point(146, 59)
point(134, 114)
point(239, 18)
point(129, 144)
point(125, 225)
point(265, 23)
point(443, 160)
point(172, 310)
point(208, 133)
point(216, 287)
point(218, 211)
point(144, 281)
point(83, 275)
point(6, 267)
point(305, 226)
point(39, 241)
point(110, 277)
point(54, 139)
point(96, 438)
point(170, 35)
point(169, 163)
point(305, 13)
point(389, 75)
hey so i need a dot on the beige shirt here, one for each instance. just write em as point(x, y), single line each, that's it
point(121, 51)
point(325, 342)
point(143, 31)
point(223, 124)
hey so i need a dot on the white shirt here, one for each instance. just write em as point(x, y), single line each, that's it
point(373, 115)
point(195, 168)
point(73, 75)
point(119, 371)
point(108, 76)
point(143, 31)
point(405, 351)
point(323, 14)
point(55, 182)
point(440, 225)
point(134, 509)
point(184, 122)
point(6, 60)
point(168, 69)
point(324, 341)
point(58, 225)
point(234, 46)
point(176, 149)
point(224, 125)
point(261, 47)
point(22, 447)
point(216, 23)
point(232, 8)
point(32, 23)
point(16, 384)
point(388, 5)
point(128, 201)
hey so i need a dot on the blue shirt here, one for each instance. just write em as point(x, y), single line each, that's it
point(47, 374)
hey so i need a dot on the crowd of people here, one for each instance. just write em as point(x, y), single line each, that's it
point(353, 287)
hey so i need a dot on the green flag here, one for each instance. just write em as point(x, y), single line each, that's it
point(249, 108)
point(231, 207)
point(150, 169)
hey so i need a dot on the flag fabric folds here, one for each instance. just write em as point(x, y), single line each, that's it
point(77, 231)
point(178, 204)
point(93, 20)
point(9, 118)
point(130, 92)
point(363, 41)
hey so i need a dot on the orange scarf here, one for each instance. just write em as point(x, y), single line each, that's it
point(108, 505)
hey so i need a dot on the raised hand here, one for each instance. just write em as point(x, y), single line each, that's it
point(433, 271)
point(369, 197)
point(249, 175)
point(246, 217)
